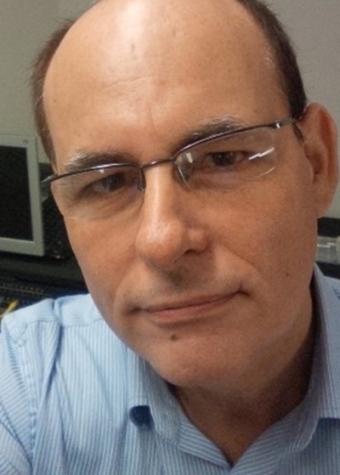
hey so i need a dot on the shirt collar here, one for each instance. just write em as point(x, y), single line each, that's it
point(326, 379)
point(323, 397)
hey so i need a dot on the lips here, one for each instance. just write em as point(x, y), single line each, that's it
point(192, 309)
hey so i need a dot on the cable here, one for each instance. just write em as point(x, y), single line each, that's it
point(10, 307)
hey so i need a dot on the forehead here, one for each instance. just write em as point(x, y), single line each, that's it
point(140, 67)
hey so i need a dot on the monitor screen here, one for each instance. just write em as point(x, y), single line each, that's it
point(21, 228)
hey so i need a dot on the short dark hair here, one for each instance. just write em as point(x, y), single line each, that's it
point(284, 55)
point(39, 71)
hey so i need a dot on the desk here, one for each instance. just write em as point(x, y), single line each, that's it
point(27, 279)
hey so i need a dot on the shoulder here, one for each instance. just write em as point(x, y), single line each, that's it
point(54, 331)
point(335, 285)
point(53, 341)
point(77, 310)
point(326, 298)
point(59, 360)
point(49, 317)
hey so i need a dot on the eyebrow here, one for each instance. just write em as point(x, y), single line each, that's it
point(211, 128)
point(83, 160)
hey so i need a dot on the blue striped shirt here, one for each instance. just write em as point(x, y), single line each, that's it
point(75, 400)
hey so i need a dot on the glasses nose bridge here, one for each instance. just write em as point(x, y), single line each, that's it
point(156, 163)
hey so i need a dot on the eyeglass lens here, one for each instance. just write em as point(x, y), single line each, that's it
point(215, 165)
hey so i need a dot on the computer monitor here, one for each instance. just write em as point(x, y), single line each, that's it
point(21, 221)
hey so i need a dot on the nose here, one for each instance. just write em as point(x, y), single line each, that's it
point(170, 227)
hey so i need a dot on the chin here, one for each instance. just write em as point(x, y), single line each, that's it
point(199, 366)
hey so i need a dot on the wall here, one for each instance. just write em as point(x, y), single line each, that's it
point(314, 28)
point(25, 24)
point(72, 8)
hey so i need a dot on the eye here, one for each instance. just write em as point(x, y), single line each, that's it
point(106, 182)
point(225, 159)
point(110, 183)
point(99, 191)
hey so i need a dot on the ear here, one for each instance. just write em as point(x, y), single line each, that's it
point(320, 147)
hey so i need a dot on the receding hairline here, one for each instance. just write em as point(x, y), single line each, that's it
point(71, 25)
point(247, 8)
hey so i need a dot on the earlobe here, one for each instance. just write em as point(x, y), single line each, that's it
point(320, 147)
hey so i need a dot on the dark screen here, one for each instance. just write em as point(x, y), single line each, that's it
point(15, 213)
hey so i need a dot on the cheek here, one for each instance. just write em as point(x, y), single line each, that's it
point(273, 230)
point(104, 259)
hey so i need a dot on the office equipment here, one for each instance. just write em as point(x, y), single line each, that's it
point(29, 220)
point(328, 246)
point(27, 279)
point(21, 228)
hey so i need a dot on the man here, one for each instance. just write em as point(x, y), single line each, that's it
point(191, 175)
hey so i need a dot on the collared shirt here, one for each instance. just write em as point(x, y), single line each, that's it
point(75, 400)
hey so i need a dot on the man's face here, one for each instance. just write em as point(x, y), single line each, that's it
point(207, 290)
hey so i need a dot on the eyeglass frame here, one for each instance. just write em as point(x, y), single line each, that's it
point(276, 125)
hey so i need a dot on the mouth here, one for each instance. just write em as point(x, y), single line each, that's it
point(170, 313)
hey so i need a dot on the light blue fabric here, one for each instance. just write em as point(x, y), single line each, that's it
point(75, 400)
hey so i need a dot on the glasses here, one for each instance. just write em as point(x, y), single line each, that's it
point(213, 164)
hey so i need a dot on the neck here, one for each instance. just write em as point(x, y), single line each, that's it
point(233, 420)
